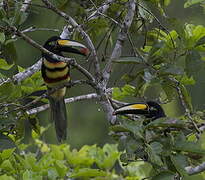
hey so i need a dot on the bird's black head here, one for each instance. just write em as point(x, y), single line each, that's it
point(155, 110)
point(57, 45)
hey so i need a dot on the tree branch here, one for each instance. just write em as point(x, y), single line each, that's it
point(195, 170)
point(27, 73)
point(32, 29)
point(122, 36)
point(100, 10)
point(68, 100)
point(25, 5)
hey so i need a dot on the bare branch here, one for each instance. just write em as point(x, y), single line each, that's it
point(100, 10)
point(67, 32)
point(195, 170)
point(83, 33)
point(25, 5)
point(27, 73)
point(68, 100)
point(32, 29)
point(122, 36)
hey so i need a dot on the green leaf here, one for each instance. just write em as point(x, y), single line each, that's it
point(192, 2)
point(172, 69)
point(129, 60)
point(27, 175)
point(169, 90)
point(178, 26)
point(111, 155)
point(5, 154)
point(133, 126)
point(52, 174)
point(4, 65)
point(5, 177)
point(61, 168)
point(87, 172)
point(154, 156)
point(144, 13)
point(118, 128)
point(156, 147)
point(2, 13)
point(181, 144)
point(81, 158)
point(187, 80)
point(9, 52)
point(2, 37)
point(57, 152)
point(180, 162)
point(6, 142)
point(201, 41)
point(193, 63)
point(30, 160)
point(125, 91)
point(7, 165)
point(139, 169)
point(166, 175)
point(166, 2)
point(166, 123)
point(195, 177)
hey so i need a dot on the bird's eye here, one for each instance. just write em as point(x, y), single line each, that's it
point(152, 109)
point(52, 43)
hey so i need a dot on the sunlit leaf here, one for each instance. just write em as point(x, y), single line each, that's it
point(87, 172)
point(192, 2)
point(6, 177)
point(4, 65)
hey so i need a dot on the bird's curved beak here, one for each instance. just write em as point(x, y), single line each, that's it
point(137, 108)
point(73, 47)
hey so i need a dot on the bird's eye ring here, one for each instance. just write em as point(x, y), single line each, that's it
point(53, 43)
point(152, 108)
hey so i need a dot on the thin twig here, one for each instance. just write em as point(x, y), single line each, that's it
point(32, 29)
point(158, 21)
point(183, 102)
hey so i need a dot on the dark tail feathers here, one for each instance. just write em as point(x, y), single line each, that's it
point(59, 116)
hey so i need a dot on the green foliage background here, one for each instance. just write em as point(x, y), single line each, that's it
point(80, 126)
point(164, 156)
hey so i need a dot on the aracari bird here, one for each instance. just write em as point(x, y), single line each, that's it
point(56, 73)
